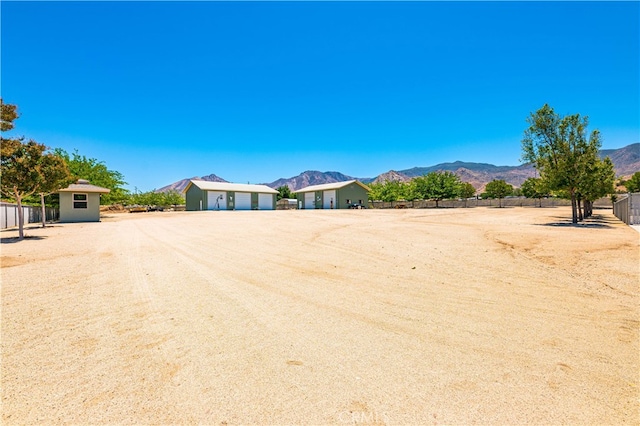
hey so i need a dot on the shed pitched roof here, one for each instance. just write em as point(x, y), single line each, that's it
point(232, 187)
point(333, 185)
point(84, 186)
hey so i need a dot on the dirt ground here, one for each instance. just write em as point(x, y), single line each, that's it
point(447, 316)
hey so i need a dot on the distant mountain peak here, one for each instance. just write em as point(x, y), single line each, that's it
point(308, 178)
point(182, 184)
point(391, 176)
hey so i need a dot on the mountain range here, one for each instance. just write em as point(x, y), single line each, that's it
point(626, 161)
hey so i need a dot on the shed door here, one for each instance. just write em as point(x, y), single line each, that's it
point(329, 196)
point(216, 200)
point(265, 201)
point(243, 201)
point(309, 200)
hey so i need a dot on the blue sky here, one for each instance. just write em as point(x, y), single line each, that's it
point(256, 91)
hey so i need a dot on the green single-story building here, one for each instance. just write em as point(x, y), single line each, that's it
point(205, 195)
point(338, 195)
point(80, 202)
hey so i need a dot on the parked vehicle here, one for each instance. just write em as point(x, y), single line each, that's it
point(356, 206)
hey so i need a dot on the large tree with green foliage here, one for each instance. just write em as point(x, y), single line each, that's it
point(97, 173)
point(437, 186)
point(27, 168)
point(499, 189)
point(560, 150)
point(388, 191)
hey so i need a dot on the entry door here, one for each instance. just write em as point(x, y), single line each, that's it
point(328, 197)
point(309, 200)
point(216, 200)
point(243, 201)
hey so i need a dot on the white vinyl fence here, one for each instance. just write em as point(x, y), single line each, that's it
point(627, 209)
point(9, 214)
point(505, 202)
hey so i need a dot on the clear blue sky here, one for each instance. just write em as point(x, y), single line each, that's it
point(252, 92)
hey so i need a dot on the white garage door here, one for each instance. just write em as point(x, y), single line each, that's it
point(309, 200)
point(265, 201)
point(216, 200)
point(328, 197)
point(243, 201)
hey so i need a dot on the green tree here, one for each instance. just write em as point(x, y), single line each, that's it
point(149, 198)
point(55, 175)
point(633, 184)
point(499, 189)
point(98, 174)
point(388, 191)
point(598, 181)
point(172, 198)
point(284, 192)
point(560, 151)
point(534, 188)
point(467, 191)
point(26, 168)
point(438, 186)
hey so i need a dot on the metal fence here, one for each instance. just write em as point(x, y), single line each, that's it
point(627, 209)
point(9, 214)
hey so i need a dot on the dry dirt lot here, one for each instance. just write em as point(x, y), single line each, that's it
point(448, 316)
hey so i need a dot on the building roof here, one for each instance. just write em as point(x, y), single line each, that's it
point(334, 185)
point(84, 186)
point(230, 187)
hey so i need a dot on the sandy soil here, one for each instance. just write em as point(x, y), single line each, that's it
point(490, 316)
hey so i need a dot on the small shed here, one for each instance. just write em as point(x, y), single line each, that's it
point(80, 202)
point(337, 195)
point(205, 195)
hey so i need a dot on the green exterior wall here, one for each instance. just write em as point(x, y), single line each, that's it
point(352, 192)
point(70, 214)
point(193, 198)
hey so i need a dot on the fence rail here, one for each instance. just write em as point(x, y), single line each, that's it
point(9, 214)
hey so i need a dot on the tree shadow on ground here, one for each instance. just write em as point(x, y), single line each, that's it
point(595, 222)
point(11, 240)
point(10, 235)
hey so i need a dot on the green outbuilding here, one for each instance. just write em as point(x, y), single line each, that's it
point(205, 195)
point(337, 195)
point(80, 202)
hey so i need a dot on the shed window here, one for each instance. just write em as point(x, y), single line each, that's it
point(79, 201)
